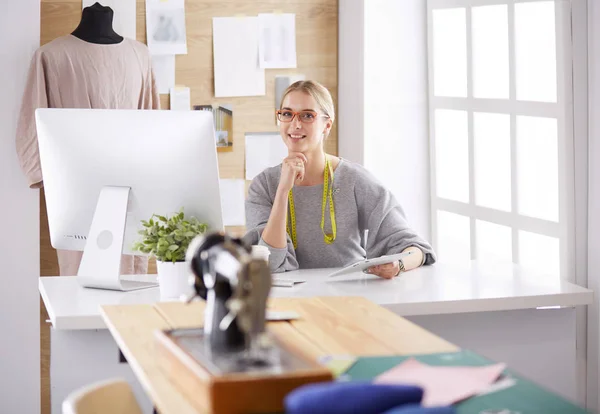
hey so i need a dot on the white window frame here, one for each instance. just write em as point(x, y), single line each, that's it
point(562, 111)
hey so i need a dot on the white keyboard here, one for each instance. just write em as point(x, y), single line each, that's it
point(135, 285)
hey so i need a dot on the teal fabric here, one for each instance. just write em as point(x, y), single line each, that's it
point(523, 398)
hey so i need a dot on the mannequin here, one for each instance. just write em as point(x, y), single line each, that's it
point(92, 68)
point(96, 26)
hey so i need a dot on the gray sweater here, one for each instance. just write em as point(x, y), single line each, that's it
point(360, 202)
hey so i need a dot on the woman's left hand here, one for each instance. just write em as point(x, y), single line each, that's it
point(385, 271)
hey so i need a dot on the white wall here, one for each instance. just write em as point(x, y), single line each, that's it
point(593, 203)
point(579, 32)
point(351, 102)
point(19, 212)
point(383, 61)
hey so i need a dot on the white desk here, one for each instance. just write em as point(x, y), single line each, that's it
point(490, 309)
point(431, 290)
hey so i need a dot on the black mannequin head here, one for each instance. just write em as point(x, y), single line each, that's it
point(96, 25)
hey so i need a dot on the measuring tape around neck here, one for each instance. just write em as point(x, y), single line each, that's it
point(327, 195)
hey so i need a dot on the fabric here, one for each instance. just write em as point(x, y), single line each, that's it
point(443, 385)
point(361, 202)
point(71, 73)
point(349, 398)
point(418, 409)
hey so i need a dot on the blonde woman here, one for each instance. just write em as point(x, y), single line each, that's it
point(311, 211)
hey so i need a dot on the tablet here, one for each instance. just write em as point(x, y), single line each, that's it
point(365, 264)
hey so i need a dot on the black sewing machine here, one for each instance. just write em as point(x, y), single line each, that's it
point(233, 364)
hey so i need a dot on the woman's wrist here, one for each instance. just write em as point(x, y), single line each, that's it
point(281, 196)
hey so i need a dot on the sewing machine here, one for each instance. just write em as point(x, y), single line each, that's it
point(233, 364)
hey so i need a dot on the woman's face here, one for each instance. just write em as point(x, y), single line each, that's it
point(301, 136)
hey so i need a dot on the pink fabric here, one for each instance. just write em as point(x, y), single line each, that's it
point(71, 73)
point(442, 385)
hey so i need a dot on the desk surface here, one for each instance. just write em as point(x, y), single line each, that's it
point(437, 289)
point(328, 326)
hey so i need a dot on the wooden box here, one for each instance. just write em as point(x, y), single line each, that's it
point(235, 392)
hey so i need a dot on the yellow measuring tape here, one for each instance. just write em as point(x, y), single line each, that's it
point(327, 193)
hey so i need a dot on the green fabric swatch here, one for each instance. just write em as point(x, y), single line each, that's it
point(524, 397)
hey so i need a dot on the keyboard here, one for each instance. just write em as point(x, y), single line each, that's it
point(135, 285)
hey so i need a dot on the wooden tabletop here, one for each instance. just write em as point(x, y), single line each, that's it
point(327, 326)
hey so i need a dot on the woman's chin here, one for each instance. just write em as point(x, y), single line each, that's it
point(296, 144)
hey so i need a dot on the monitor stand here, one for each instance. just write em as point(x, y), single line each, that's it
point(101, 262)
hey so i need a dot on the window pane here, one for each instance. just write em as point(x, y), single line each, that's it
point(535, 51)
point(454, 237)
point(539, 252)
point(490, 51)
point(494, 242)
point(452, 154)
point(492, 160)
point(537, 164)
point(450, 52)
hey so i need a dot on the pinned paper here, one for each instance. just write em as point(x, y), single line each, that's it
point(165, 27)
point(277, 41)
point(124, 15)
point(232, 202)
point(235, 48)
point(180, 98)
point(263, 150)
point(164, 72)
point(442, 385)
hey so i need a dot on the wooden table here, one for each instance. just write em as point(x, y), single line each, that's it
point(328, 326)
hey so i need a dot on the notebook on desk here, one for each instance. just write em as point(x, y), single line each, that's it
point(284, 282)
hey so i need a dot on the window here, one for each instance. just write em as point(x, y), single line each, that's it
point(500, 104)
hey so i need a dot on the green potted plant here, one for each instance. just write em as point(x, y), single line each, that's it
point(167, 239)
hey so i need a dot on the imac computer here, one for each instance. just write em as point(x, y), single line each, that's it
point(106, 170)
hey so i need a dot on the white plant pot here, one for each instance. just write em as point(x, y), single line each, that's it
point(173, 279)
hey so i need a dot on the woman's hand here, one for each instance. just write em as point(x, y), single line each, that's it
point(385, 271)
point(292, 171)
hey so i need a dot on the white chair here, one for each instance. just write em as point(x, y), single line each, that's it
point(113, 396)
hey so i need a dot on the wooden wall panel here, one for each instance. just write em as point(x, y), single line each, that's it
point(316, 43)
point(316, 31)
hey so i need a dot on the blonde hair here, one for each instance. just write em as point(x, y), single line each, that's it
point(320, 94)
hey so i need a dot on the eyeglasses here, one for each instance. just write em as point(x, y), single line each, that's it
point(307, 117)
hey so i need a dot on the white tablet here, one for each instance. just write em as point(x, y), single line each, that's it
point(365, 264)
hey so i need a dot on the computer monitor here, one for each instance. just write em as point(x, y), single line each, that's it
point(106, 170)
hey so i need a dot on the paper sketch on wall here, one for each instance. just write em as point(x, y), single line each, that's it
point(223, 121)
point(164, 72)
point(165, 25)
point(166, 29)
point(235, 57)
point(277, 40)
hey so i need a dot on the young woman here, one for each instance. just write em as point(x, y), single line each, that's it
point(313, 209)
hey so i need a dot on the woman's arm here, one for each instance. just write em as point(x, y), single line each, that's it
point(389, 231)
point(274, 233)
point(414, 260)
point(292, 169)
point(390, 270)
point(263, 211)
